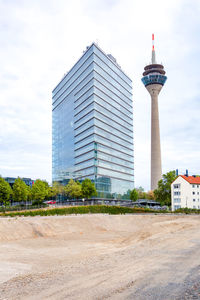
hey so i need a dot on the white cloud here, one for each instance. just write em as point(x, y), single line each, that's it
point(41, 40)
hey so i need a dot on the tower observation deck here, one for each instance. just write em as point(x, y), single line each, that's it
point(154, 79)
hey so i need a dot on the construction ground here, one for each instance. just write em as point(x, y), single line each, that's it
point(100, 257)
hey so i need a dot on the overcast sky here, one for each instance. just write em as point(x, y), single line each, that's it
point(42, 39)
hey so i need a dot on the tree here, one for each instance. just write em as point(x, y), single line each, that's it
point(73, 189)
point(126, 195)
point(163, 192)
point(5, 191)
point(150, 195)
point(134, 195)
point(40, 190)
point(55, 189)
point(20, 190)
point(88, 188)
point(29, 193)
point(141, 193)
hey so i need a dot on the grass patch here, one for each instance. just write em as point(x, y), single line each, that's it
point(93, 209)
point(89, 209)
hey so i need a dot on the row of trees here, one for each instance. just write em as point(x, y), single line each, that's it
point(139, 193)
point(41, 190)
point(162, 194)
point(74, 189)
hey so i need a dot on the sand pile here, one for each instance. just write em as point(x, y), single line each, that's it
point(32, 227)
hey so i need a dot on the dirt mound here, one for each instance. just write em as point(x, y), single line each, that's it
point(136, 226)
point(97, 256)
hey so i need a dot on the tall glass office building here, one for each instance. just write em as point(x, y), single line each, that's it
point(93, 125)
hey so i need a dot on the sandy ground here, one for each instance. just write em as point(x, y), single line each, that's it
point(100, 257)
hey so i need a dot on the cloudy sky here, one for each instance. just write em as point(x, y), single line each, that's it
point(42, 39)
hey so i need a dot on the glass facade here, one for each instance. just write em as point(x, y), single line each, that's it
point(93, 125)
point(154, 79)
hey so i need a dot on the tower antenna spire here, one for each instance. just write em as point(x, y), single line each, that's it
point(153, 58)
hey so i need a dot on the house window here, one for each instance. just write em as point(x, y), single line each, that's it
point(176, 186)
point(193, 193)
point(194, 206)
point(177, 200)
point(177, 193)
point(193, 200)
point(177, 207)
point(197, 185)
point(193, 185)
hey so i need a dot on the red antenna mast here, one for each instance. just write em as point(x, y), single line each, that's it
point(153, 57)
point(153, 42)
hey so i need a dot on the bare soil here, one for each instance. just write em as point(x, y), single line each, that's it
point(100, 257)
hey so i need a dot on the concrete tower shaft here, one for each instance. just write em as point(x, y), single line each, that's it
point(156, 166)
point(154, 78)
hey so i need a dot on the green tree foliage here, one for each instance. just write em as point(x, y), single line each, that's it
point(20, 190)
point(52, 192)
point(126, 195)
point(141, 193)
point(150, 195)
point(40, 190)
point(163, 192)
point(73, 189)
point(88, 188)
point(134, 195)
point(5, 191)
point(55, 189)
point(29, 193)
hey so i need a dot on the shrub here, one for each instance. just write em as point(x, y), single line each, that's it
point(94, 209)
point(187, 210)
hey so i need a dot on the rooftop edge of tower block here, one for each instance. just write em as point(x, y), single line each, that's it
point(109, 56)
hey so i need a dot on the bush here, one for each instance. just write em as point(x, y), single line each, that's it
point(187, 210)
point(93, 209)
point(37, 202)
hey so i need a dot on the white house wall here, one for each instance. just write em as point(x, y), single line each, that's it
point(187, 198)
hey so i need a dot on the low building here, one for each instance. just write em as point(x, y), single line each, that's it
point(185, 192)
point(11, 180)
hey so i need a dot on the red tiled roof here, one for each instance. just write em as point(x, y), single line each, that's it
point(191, 179)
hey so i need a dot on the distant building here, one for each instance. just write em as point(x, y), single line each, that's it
point(11, 180)
point(185, 192)
point(92, 128)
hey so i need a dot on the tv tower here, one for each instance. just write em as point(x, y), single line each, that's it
point(154, 78)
